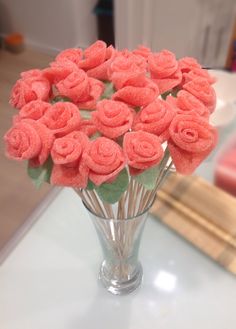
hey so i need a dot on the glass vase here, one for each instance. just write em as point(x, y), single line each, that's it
point(120, 272)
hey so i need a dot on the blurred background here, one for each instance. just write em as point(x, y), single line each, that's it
point(32, 32)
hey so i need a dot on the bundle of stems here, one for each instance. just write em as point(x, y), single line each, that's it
point(134, 201)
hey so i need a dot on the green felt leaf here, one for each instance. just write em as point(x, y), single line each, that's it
point(60, 98)
point(95, 136)
point(112, 192)
point(165, 94)
point(85, 114)
point(41, 174)
point(90, 186)
point(109, 90)
point(148, 177)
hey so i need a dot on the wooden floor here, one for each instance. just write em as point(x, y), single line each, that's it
point(18, 196)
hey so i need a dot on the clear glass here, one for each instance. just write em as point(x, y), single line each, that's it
point(121, 271)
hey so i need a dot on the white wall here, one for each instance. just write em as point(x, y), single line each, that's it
point(200, 28)
point(50, 25)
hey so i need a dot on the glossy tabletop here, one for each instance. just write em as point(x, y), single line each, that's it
point(49, 281)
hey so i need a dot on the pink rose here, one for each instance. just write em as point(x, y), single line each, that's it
point(137, 96)
point(59, 70)
point(69, 149)
point(198, 73)
point(142, 51)
point(62, 118)
point(142, 150)
point(164, 70)
point(94, 55)
point(187, 64)
point(34, 110)
point(155, 118)
point(101, 71)
point(29, 140)
point(186, 103)
point(105, 160)
point(69, 167)
point(32, 86)
point(81, 89)
point(112, 118)
point(128, 69)
point(191, 141)
point(73, 55)
point(96, 90)
point(203, 91)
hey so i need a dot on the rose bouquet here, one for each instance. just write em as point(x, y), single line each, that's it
point(111, 124)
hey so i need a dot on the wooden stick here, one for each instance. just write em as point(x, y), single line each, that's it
point(130, 201)
point(96, 201)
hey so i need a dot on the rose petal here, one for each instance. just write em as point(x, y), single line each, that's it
point(101, 71)
point(137, 96)
point(202, 90)
point(34, 110)
point(64, 175)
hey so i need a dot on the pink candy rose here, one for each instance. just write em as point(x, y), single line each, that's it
point(69, 167)
point(191, 141)
point(59, 70)
point(155, 118)
point(187, 64)
point(73, 55)
point(29, 140)
point(32, 86)
point(62, 118)
point(81, 89)
point(203, 91)
point(100, 71)
point(186, 103)
point(105, 160)
point(198, 73)
point(137, 96)
point(34, 110)
point(164, 70)
point(142, 151)
point(127, 69)
point(142, 51)
point(113, 118)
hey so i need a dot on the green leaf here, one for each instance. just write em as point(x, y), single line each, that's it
point(95, 136)
point(60, 98)
point(85, 114)
point(41, 174)
point(109, 90)
point(165, 94)
point(112, 192)
point(148, 177)
point(90, 186)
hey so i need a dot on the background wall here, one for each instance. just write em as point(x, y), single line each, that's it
point(200, 28)
point(50, 25)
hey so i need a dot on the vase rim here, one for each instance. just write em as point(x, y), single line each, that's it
point(120, 219)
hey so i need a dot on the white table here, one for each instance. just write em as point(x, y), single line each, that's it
point(50, 281)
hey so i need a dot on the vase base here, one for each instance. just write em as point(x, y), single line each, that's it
point(116, 287)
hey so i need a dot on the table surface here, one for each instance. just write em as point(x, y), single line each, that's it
point(50, 280)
